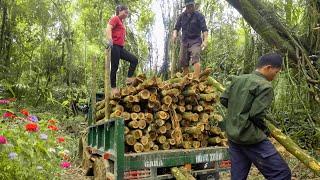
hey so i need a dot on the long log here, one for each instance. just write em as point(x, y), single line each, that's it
point(294, 149)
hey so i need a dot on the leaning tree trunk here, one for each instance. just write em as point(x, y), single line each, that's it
point(264, 21)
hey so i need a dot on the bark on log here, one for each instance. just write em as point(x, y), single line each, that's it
point(177, 174)
point(294, 149)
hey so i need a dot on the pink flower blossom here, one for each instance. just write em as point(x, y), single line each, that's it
point(3, 140)
point(4, 101)
point(65, 165)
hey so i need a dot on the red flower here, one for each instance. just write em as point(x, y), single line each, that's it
point(65, 165)
point(24, 112)
point(32, 127)
point(53, 128)
point(52, 121)
point(9, 115)
point(60, 139)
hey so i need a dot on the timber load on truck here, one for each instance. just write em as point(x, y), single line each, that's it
point(156, 125)
point(176, 114)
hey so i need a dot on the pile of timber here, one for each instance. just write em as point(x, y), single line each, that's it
point(173, 114)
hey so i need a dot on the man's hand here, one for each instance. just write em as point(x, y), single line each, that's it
point(204, 45)
point(174, 36)
point(108, 44)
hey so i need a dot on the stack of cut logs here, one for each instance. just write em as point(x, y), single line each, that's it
point(173, 114)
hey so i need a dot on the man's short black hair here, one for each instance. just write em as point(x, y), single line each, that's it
point(273, 59)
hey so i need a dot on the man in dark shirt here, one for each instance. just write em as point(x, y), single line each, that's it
point(247, 99)
point(192, 24)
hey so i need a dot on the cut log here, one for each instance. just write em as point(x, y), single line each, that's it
point(146, 148)
point(138, 147)
point(144, 140)
point(149, 116)
point(187, 144)
point(126, 116)
point(153, 97)
point(126, 130)
point(125, 92)
point(165, 107)
point(161, 139)
point(204, 117)
point(134, 116)
point(160, 122)
point(188, 107)
point(142, 124)
point(162, 130)
point(133, 124)
point(144, 94)
point(153, 135)
point(137, 133)
point(209, 89)
point(115, 114)
point(141, 115)
point(189, 92)
point(181, 109)
point(208, 97)
point(214, 140)
point(215, 130)
point(162, 115)
point(170, 92)
point(218, 117)
point(202, 86)
point(167, 100)
point(128, 99)
point(198, 108)
point(130, 139)
point(172, 141)
point(168, 126)
point(155, 147)
point(165, 146)
point(204, 143)
point(136, 108)
point(196, 144)
point(177, 174)
point(186, 173)
point(190, 116)
point(192, 130)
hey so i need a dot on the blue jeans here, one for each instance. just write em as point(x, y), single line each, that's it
point(263, 155)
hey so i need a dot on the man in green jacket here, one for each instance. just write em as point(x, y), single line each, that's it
point(247, 99)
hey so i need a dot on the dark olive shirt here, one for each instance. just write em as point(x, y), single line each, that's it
point(192, 25)
point(248, 98)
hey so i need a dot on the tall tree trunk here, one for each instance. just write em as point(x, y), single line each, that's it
point(4, 17)
point(248, 64)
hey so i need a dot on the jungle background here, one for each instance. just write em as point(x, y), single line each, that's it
point(47, 48)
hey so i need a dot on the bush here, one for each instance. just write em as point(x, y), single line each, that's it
point(29, 148)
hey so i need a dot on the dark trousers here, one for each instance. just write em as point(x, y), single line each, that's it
point(117, 53)
point(263, 155)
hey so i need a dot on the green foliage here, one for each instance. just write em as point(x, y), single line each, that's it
point(30, 155)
